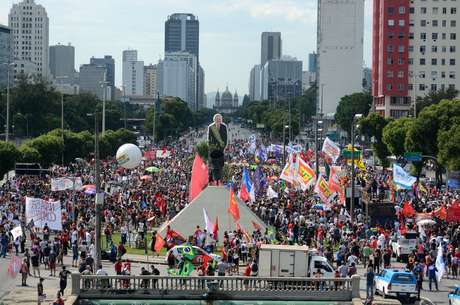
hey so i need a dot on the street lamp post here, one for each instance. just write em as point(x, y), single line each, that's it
point(104, 93)
point(62, 126)
point(99, 200)
point(316, 124)
point(352, 200)
point(7, 121)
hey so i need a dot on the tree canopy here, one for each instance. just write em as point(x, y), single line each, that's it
point(350, 105)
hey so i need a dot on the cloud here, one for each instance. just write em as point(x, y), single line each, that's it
point(290, 10)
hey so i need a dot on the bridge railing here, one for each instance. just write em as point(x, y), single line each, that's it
point(93, 286)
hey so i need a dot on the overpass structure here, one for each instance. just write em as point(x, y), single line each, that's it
point(93, 287)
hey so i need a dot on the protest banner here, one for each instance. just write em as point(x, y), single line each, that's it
point(66, 183)
point(43, 213)
point(331, 149)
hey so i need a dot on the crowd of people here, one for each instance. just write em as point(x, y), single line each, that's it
point(138, 201)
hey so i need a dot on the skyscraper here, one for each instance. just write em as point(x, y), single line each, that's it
point(92, 78)
point(177, 76)
point(312, 62)
point(5, 54)
point(340, 51)
point(109, 63)
point(282, 79)
point(133, 74)
point(255, 83)
point(414, 52)
point(62, 62)
point(30, 28)
point(182, 33)
point(150, 80)
point(271, 47)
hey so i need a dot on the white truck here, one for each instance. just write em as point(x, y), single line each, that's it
point(403, 245)
point(292, 261)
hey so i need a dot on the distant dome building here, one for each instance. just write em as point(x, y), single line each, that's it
point(227, 102)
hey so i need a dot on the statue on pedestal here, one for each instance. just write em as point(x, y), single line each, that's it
point(217, 141)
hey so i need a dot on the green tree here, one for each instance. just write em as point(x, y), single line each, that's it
point(29, 154)
point(202, 149)
point(394, 135)
point(372, 126)
point(76, 145)
point(350, 105)
point(49, 147)
point(112, 140)
point(449, 147)
point(8, 157)
point(434, 97)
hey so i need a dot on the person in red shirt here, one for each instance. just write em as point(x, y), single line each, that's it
point(247, 273)
point(118, 266)
point(59, 300)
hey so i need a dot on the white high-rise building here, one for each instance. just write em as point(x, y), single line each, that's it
point(255, 83)
point(340, 50)
point(30, 38)
point(177, 77)
point(133, 74)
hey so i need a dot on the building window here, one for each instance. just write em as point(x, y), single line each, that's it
point(434, 75)
point(411, 35)
point(402, 10)
point(452, 49)
point(443, 62)
point(402, 22)
point(390, 48)
point(401, 49)
point(443, 74)
point(423, 36)
point(453, 10)
point(444, 10)
point(453, 23)
point(434, 36)
point(422, 49)
point(422, 61)
point(452, 61)
point(390, 60)
point(434, 23)
point(391, 10)
point(401, 35)
point(444, 23)
point(391, 35)
point(411, 48)
point(400, 87)
point(434, 87)
point(434, 49)
point(391, 22)
point(411, 10)
point(400, 74)
point(421, 74)
point(423, 10)
point(453, 36)
point(452, 75)
point(435, 10)
point(451, 86)
point(389, 86)
point(423, 22)
point(410, 61)
point(400, 61)
point(390, 74)
point(434, 61)
point(444, 36)
point(421, 87)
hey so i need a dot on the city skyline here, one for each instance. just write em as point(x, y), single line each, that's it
point(228, 50)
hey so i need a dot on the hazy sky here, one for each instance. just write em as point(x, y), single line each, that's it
point(229, 31)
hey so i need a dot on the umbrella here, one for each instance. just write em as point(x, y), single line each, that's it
point(318, 207)
point(253, 167)
point(152, 169)
point(146, 177)
point(426, 222)
point(271, 161)
point(88, 186)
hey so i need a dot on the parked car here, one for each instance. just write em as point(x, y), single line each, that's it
point(398, 283)
point(454, 296)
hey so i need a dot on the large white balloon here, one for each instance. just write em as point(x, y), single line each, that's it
point(129, 156)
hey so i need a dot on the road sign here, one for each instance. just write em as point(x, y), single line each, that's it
point(413, 156)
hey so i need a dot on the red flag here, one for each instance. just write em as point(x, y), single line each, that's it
point(199, 177)
point(453, 213)
point(334, 185)
point(171, 234)
point(256, 226)
point(159, 243)
point(408, 210)
point(233, 208)
point(160, 203)
point(215, 230)
point(150, 155)
point(441, 213)
point(402, 229)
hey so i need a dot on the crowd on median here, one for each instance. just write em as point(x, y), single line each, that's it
point(138, 201)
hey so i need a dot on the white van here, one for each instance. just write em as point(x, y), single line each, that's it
point(292, 261)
